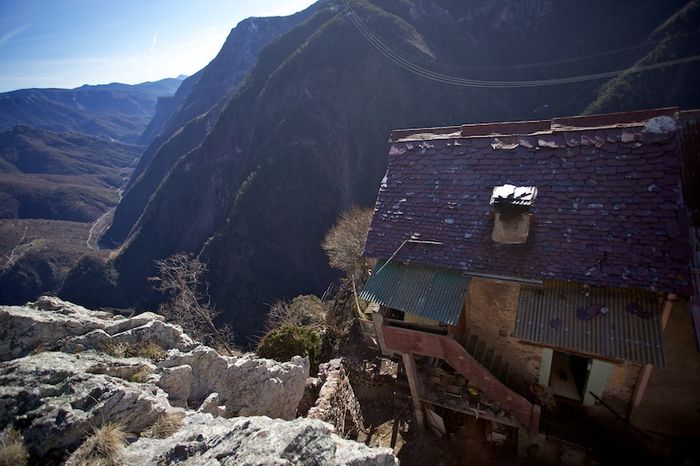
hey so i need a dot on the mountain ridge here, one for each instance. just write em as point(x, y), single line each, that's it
point(115, 110)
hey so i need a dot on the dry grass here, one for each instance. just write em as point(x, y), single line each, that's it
point(165, 426)
point(141, 375)
point(104, 447)
point(12, 449)
point(116, 349)
point(149, 350)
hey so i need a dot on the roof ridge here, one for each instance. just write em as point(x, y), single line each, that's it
point(534, 127)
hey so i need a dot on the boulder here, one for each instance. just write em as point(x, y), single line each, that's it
point(204, 439)
point(247, 386)
point(55, 398)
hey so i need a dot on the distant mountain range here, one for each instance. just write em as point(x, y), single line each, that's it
point(255, 156)
point(118, 111)
point(61, 176)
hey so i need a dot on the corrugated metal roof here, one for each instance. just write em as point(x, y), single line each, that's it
point(436, 294)
point(631, 330)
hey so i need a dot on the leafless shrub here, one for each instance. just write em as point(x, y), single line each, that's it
point(345, 241)
point(12, 449)
point(104, 447)
point(188, 304)
point(305, 311)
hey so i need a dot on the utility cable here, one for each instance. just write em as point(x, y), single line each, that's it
point(412, 67)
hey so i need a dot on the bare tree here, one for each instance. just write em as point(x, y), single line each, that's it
point(345, 241)
point(188, 303)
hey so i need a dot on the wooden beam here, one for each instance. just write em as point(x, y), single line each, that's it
point(645, 374)
point(378, 320)
point(409, 363)
point(480, 414)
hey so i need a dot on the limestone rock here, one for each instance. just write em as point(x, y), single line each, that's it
point(336, 403)
point(211, 406)
point(25, 328)
point(204, 439)
point(57, 383)
point(55, 324)
point(176, 381)
point(247, 386)
point(57, 398)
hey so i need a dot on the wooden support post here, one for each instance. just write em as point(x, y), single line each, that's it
point(378, 321)
point(645, 374)
point(535, 420)
point(409, 364)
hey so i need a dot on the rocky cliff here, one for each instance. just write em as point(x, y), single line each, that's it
point(68, 371)
point(183, 121)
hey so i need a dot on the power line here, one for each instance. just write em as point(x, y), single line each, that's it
point(414, 68)
point(525, 66)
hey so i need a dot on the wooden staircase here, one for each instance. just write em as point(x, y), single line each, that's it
point(488, 358)
point(695, 268)
point(409, 341)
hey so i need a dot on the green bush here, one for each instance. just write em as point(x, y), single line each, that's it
point(289, 340)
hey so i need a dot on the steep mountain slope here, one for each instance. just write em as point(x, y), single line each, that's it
point(61, 176)
point(676, 38)
point(36, 255)
point(118, 111)
point(195, 107)
point(305, 136)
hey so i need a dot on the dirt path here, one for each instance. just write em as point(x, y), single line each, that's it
point(100, 225)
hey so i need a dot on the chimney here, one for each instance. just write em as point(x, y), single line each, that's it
point(512, 213)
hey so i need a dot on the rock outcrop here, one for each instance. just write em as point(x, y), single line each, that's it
point(255, 440)
point(336, 403)
point(68, 370)
point(56, 398)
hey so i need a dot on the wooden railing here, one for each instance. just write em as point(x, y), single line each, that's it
point(403, 340)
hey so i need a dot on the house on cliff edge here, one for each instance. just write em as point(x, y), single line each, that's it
point(520, 260)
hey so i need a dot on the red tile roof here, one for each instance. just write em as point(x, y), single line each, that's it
point(609, 208)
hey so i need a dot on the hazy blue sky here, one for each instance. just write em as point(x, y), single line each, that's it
point(67, 43)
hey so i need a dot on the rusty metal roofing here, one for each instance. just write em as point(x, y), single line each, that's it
point(609, 208)
point(615, 323)
point(433, 293)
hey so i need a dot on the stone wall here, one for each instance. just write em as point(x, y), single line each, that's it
point(336, 402)
point(620, 388)
point(491, 308)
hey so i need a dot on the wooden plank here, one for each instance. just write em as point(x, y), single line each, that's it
point(479, 353)
point(471, 346)
point(409, 363)
point(462, 408)
point(488, 359)
point(435, 421)
point(496, 366)
point(645, 373)
point(378, 319)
